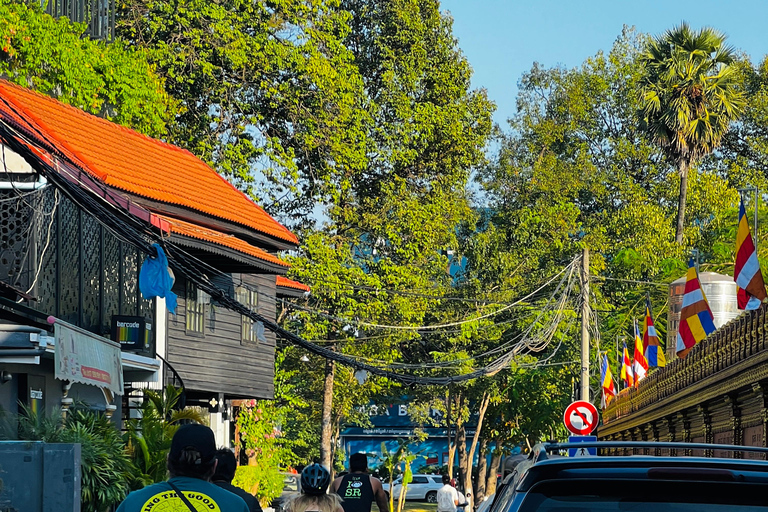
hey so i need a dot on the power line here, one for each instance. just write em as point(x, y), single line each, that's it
point(363, 323)
point(142, 236)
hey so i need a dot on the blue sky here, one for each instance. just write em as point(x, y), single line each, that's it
point(502, 39)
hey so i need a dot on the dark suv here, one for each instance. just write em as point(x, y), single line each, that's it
point(611, 482)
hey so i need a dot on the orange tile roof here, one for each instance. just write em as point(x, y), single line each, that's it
point(288, 283)
point(183, 228)
point(127, 160)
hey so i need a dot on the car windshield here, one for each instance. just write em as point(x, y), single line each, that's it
point(644, 495)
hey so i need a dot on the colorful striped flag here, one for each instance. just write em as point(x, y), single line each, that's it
point(606, 376)
point(640, 365)
point(746, 271)
point(626, 369)
point(653, 352)
point(696, 319)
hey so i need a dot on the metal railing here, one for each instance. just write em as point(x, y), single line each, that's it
point(99, 15)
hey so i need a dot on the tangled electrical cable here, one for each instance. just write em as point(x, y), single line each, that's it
point(63, 172)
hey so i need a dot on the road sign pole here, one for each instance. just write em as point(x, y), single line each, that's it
point(585, 325)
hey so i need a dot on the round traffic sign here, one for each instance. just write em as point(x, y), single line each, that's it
point(581, 418)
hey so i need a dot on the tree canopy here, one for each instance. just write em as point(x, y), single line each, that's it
point(52, 56)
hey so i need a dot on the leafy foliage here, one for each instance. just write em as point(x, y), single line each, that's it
point(54, 57)
point(106, 470)
point(148, 437)
point(259, 436)
point(270, 95)
point(690, 97)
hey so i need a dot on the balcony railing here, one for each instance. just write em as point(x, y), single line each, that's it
point(99, 15)
point(733, 344)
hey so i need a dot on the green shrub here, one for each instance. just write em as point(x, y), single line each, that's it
point(260, 438)
point(105, 467)
point(148, 438)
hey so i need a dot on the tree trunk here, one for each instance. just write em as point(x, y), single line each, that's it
point(461, 449)
point(471, 456)
point(449, 428)
point(683, 168)
point(482, 471)
point(336, 431)
point(493, 470)
point(326, 423)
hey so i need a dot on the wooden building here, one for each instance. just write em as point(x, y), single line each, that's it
point(58, 260)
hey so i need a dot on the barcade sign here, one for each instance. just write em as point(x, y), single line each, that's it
point(83, 357)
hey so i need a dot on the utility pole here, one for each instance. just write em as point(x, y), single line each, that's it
point(585, 324)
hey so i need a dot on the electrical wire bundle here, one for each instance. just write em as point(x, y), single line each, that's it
point(76, 184)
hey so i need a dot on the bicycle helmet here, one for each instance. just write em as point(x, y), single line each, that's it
point(315, 480)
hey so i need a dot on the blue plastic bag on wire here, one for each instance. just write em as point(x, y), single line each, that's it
point(155, 279)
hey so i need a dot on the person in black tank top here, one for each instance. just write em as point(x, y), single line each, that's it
point(358, 489)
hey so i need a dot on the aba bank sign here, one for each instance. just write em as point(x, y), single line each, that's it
point(400, 410)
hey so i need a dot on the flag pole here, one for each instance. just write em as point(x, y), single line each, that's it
point(755, 226)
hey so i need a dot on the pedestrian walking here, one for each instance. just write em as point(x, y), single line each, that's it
point(358, 489)
point(314, 496)
point(191, 463)
point(226, 465)
point(447, 496)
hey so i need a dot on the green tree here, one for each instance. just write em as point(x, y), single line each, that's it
point(393, 220)
point(148, 437)
point(690, 97)
point(54, 57)
point(270, 95)
point(575, 169)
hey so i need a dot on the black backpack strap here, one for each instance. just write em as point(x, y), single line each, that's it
point(182, 497)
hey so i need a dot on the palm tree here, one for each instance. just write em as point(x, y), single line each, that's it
point(690, 96)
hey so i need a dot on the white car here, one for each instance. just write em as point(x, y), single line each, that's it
point(423, 487)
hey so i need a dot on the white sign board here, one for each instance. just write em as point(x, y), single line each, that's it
point(84, 357)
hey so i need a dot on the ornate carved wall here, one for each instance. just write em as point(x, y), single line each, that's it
point(718, 394)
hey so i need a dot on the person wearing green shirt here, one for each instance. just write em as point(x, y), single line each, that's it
point(191, 463)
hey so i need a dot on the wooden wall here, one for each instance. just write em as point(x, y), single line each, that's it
point(718, 394)
point(219, 361)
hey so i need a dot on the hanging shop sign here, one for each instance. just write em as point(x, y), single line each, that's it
point(133, 333)
point(83, 357)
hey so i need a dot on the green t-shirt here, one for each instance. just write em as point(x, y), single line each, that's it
point(204, 496)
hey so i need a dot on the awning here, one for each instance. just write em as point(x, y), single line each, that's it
point(81, 356)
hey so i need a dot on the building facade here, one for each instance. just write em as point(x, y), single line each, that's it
point(62, 265)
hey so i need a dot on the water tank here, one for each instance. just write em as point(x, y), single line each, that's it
point(720, 291)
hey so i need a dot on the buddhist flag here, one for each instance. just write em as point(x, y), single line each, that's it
point(609, 391)
point(640, 366)
point(696, 319)
point(746, 271)
point(626, 369)
point(653, 353)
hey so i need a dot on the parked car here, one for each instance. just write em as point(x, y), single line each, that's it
point(618, 483)
point(423, 487)
point(291, 488)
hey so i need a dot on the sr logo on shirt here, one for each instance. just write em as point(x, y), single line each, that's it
point(354, 490)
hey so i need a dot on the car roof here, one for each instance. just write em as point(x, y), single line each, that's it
point(642, 467)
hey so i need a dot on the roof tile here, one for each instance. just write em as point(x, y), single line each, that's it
point(289, 283)
point(127, 160)
point(183, 228)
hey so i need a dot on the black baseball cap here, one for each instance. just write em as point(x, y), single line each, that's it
point(197, 437)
